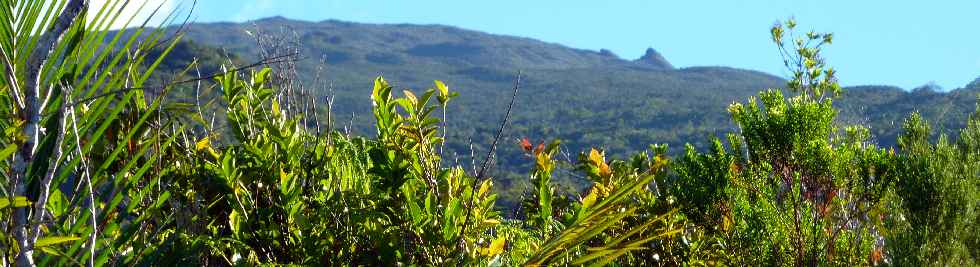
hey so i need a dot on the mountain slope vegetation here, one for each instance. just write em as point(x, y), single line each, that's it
point(582, 97)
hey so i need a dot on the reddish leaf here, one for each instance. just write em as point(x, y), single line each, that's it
point(526, 145)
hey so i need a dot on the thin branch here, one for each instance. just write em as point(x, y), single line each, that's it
point(197, 98)
point(271, 60)
point(40, 208)
point(486, 162)
point(472, 156)
point(91, 194)
point(500, 131)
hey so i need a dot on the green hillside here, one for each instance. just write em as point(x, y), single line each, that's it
point(585, 98)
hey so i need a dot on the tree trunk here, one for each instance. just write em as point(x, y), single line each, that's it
point(31, 114)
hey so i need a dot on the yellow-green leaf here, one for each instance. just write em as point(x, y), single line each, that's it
point(234, 221)
point(285, 182)
point(496, 247)
point(275, 108)
point(596, 157)
point(204, 143)
point(599, 160)
point(484, 188)
point(54, 240)
point(411, 96)
point(726, 223)
point(7, 151)
point(283, 175)
point(589, 200)
point(443, 89)
point(18, 202)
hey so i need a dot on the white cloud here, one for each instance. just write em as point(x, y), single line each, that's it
point(133, 10)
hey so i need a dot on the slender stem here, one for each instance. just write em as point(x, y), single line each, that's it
point(40, 209)
point(486, 162)
point(91, 194)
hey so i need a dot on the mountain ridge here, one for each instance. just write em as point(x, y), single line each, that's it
point(355, 52)
point(509, 41)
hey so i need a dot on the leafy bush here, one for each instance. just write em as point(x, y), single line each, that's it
point(796, 188)
point(938, 221)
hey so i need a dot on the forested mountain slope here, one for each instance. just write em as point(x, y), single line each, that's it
point(585, 98)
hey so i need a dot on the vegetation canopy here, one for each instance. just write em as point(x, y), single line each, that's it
point(101, 166)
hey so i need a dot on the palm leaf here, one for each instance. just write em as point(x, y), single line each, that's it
point(47, 38)
point(595, 221)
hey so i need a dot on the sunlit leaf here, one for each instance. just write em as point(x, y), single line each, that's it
point(18, 202)
point(54, 240)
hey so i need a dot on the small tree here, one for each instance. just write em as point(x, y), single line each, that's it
point(793, 188)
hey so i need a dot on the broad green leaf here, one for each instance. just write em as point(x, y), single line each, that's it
point(452, 213)
point(9, 150)
point(443, 89)
point(234, 221)
point(57, 203)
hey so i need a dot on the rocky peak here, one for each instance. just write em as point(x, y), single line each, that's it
point(654, 59)
point(607, 53)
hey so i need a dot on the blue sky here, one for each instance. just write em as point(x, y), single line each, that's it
point(903, 43)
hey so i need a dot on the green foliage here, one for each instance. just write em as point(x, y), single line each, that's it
point(130, 180)
point(794, 188)
point(279, 194)
point(578, 96)
point(797, 188)
point(620, 219)
point(938, 221)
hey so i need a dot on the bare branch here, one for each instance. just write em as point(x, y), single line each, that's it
point(197, 98)
point(487, 160)
point(91, 194)
point(40, 208)
point(500, 131)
